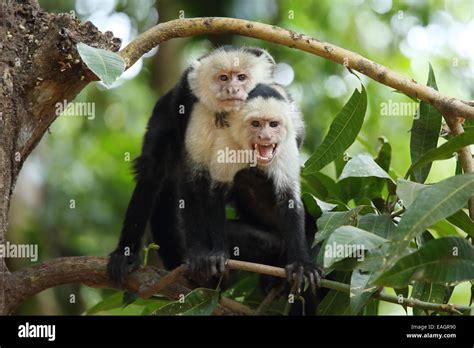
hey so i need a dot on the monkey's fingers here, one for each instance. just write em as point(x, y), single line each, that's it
point(213, 265)
point(314, 275)
point(120, 265)
point(312, 283)
point(298, 278)
point(221, 264)
point(289, 273)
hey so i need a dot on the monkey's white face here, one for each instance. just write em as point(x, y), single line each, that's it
point(231, 87)
point(223, 80)
point(265, 133)
point(263, 126)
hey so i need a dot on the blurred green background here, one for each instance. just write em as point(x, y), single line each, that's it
point(74, 189)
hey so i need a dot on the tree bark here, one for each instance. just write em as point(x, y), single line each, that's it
point(39, 67)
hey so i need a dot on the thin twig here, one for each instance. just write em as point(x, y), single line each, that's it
point(267, 301)
point(170, 278)
point(465, 156)
point(235, 307)
point(329, 284)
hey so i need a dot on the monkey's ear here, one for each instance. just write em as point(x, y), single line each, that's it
point(195, 64)
point(260, 52)
point(268, 57)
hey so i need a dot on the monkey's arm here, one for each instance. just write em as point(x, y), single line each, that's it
point(291, 216)
point(153, 168)
point(125, 257)
point(204, 226)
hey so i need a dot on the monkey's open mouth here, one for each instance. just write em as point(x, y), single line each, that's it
point(264, 153)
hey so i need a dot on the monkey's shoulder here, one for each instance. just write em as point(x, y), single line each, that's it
point(202, 134)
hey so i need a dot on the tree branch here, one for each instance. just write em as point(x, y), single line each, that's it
point(91, 271)
point(449, 107)
point(329, 284)
point(465, 156)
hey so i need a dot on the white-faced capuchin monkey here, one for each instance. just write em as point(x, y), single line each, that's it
point(257, 157)
point(186, 211)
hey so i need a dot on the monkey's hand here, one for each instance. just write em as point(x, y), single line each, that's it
point(203, 266)
point(120, 264)
point(297, 271)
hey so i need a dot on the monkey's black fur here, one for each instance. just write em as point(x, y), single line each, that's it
point(267, 231)
point(162, 177)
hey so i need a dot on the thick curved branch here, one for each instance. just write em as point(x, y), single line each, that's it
point(91, 271)
point(450, 107)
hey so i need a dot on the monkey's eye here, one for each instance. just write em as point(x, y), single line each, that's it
point(273, 124)
point(241, 77)
point(223, 78)
point(255, 124)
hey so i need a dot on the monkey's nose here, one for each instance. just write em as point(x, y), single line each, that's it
point(233, 90)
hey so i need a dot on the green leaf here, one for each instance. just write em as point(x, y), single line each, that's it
point(384, 155)
point(468, 126)
point(336, 302)
point(444, 260)
point(111, 302)
point(459, 170)
point(325, 206)
point(315, 206)
point(372, 308)
point(443, 228)
point(383, 159)
point(128, 297)
point(374, 259)
point(427, 292)
point(310, 204)
point(329, 221)
point(106, 65)
point(425, 132)
point(381, 225)
point(463, 221)
point(363, 166)
point(445, 151)
point(245, 289)
point(361, 291)
point(349, 242)
point(339, 164)
point(152, 305)
point(435, 203)
point(342, 133)
point(230, 213)
point(408, 190)
point(200, 301)
point(320, 185)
